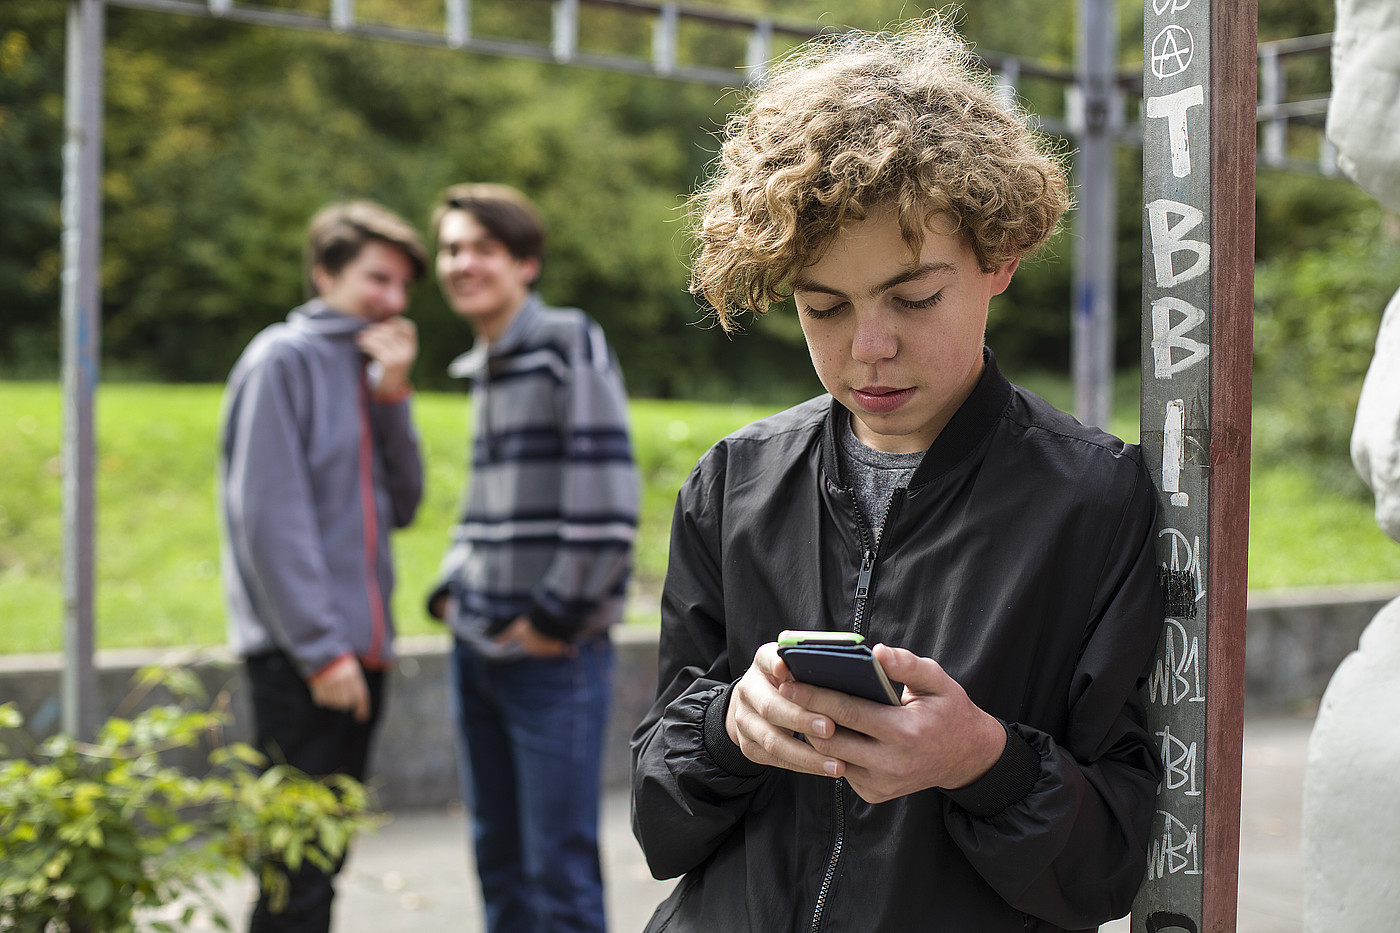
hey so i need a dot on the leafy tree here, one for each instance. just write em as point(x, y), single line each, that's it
point(31, 173)
point(222, 139)
point(1317, 310)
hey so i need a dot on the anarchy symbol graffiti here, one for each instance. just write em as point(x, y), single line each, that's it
point(1171, 51)
point(1176, 6)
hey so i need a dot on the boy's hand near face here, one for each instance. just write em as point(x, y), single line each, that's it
point(937, 737)
point(394, 345)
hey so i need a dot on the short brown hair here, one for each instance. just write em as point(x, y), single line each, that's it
point(339, 231)
point(854, 121)
point(506, 214)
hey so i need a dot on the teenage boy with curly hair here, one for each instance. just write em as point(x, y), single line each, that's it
point(999, 552)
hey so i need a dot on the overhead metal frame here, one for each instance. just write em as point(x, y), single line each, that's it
point(563, 45)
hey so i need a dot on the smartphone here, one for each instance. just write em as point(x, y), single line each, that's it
point(836, 660)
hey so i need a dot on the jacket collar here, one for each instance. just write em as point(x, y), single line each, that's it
point(317, 317)
point(963, 434)
point(472, 364)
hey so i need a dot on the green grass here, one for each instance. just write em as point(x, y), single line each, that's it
point(1302, 533)
point(157, 540)
point(157, 534)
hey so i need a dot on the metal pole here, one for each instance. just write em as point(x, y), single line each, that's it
point(82, 244)
point(1271, 80)
point(1198, 262)
point(664, 45)
point(458, 28)
point(342, 14)
point(760, 49)
point(1094, 240)
point(564, 42)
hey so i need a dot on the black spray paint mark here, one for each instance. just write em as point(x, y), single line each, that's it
point(1164, 920)
point(1178, 592)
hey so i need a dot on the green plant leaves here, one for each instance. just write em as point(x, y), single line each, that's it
point(95, 836)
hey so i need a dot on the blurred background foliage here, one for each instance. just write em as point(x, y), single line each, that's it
point(222, 139)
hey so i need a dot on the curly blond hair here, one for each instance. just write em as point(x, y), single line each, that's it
point(855, 121)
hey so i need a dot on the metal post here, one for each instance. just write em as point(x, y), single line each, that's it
point(81, 294)
point(564, 42)
point(1094, 246)
point(1198, 262)
point(459, 23)
point(1271, 83)
point(342, 15)
point(664, 43)
point(1008, 81)
point(760, 50)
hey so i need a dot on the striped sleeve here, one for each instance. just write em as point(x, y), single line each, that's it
point(599, 491)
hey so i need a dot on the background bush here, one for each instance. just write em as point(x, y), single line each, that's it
point(113, 836)
point(1317, 310)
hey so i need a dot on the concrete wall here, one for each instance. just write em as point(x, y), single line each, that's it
point(415, 757)
point(1295, 639)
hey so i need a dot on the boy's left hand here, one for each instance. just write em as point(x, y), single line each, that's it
point(937, 738)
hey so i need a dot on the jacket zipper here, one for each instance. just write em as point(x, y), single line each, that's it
point(369, 509)
point(868, 555)
point(839, 808)
point(867, 568)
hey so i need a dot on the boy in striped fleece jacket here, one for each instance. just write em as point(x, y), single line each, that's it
point(537, 569)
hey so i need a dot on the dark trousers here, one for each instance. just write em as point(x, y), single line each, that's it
point(293, 730)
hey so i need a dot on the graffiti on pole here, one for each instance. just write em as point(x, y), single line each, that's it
point(1175, 437)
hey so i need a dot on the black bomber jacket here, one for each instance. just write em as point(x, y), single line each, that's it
point(1020, 557)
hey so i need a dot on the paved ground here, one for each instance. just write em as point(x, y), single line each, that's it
point(415, 873)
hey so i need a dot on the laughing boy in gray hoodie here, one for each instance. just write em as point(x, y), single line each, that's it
point(318, 462)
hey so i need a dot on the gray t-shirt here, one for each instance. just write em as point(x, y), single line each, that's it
point(873, 476)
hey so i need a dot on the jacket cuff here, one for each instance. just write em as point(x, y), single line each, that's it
point(1008, 781)
point(404, 393)
point(326, 669)
point(718, 744)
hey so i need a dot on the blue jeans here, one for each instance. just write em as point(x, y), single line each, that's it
point(531, 746)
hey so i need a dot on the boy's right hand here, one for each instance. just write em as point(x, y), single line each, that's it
point(767, 727)
point(522, 634)
point(342, 687)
